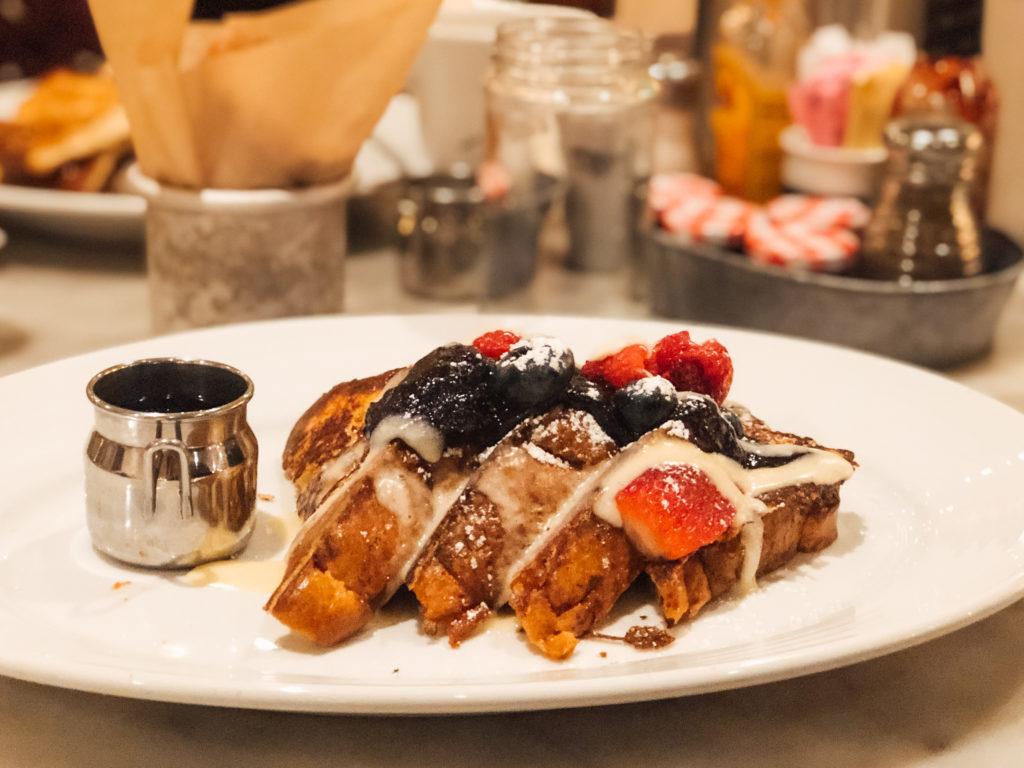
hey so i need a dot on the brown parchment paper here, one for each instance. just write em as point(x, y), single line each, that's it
point(275, 98)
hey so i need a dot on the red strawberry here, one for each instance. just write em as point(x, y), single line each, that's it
point(494, 344)
point(624, 367)
point(672, 510)
point(692, 367)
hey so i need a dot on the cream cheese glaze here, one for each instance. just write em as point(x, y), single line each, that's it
point(416, 432)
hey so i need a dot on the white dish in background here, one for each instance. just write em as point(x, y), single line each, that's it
point(931, 538)
point(118, 217)
point(94, 216)
point(841, 171)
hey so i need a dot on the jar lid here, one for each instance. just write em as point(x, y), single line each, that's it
point(933, 134)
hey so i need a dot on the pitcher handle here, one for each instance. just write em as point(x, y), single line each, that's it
point(185, 476)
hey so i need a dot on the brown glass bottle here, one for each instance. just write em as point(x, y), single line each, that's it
point(925, 226)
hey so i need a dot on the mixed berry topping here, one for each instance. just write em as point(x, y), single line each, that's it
point(706, 425)
point(596, 399)
point(693, 367)
point(672, 510)
point(690, 366)
point(473, 395)
point(494, 344)
point(645, 404)
point(534, 373)
point(452, 389)
point(624, 367)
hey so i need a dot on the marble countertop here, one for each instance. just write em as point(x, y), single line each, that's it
point(958, 700)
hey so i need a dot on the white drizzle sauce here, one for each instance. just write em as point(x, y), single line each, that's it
point(442, 498)
point(415, 432)
point(564, 513)
point(739, 486)
point(337, 469)
point(391, 486)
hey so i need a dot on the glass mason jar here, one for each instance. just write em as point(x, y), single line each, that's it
point(570, 101)
point(925, 226)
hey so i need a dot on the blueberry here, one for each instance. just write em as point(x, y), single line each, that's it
point(596, 399)
point(737, 423)
point(453, 389)
point(534, 373)
point(707, 425)
point(645, 404)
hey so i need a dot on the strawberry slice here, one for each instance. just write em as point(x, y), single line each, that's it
point(672, 510)
point(494, 344)
point(693, 367)
point(624, 367)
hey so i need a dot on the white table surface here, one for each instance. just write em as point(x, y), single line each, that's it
point(956, 701)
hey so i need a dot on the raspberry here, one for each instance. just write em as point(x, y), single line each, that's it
point(672, 510)
point(624, 367)
point(494, 344)
point(692, 367)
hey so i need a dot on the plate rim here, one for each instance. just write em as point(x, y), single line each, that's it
point(424, 698)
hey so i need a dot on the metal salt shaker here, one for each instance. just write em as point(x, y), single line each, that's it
point(170, 467)
point(457, 245)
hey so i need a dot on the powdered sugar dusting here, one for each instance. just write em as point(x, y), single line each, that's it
point(578, 421)
point(654, 385)
point(542, 351)
point(543, 456)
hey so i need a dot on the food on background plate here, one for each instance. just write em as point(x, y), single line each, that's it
point(503, 474)
point(71, 134)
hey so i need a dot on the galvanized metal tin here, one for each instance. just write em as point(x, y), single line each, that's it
point(937, 323)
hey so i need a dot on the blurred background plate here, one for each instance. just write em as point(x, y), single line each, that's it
point(98, 217)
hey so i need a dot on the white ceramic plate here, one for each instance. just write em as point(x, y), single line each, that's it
point(96, 216)
point(118, 217)
point(931, 538)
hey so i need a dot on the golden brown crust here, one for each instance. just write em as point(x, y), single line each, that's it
point(573, 583)
point(800, 519)
point(346, 560)
point(330, 426)
point(332, 594)
point(461, 575)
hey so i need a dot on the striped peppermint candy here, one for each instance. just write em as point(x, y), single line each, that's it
point(666, 190)
point(718, 221)
point(796, 245)
point(819, 213)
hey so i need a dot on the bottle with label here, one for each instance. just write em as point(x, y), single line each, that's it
point(753, 59)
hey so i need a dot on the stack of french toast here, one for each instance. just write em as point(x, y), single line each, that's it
point(501, 474)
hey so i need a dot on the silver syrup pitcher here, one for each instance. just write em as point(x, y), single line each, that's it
point(170, 467)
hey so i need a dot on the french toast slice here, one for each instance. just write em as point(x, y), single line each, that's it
point(518, 491)
point(575, 580)
point(331, 425)
point(354, 551)
point(797, 518)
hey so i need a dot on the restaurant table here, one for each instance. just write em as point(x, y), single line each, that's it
point(958, 700)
